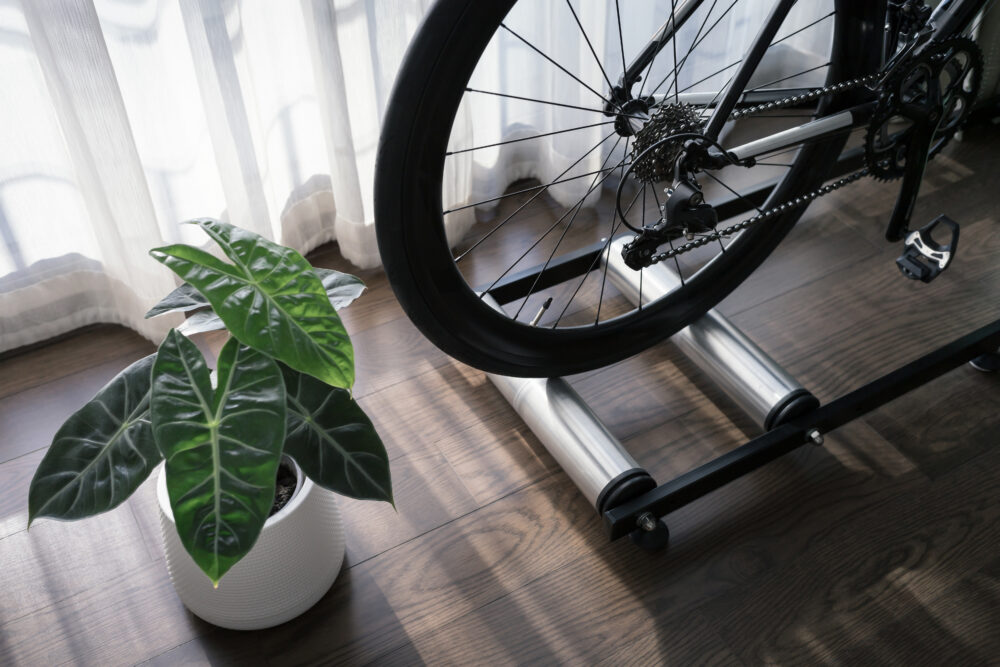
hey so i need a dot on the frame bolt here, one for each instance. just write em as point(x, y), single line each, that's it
point(815, 437)
point(646, 522)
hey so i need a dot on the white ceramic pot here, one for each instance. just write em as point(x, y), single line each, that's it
point(293, 564)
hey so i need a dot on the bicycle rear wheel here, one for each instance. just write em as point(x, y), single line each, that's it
point(438, 282)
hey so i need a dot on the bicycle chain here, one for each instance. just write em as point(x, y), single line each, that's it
point(784, 206)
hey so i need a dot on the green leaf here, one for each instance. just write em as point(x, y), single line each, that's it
point(201, 322)
point(222, 447)
point(333, 441)
point(341, 289)
point(103, 452)
point(183, 298)
point(270, 299)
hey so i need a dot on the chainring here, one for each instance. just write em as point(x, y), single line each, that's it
point(960, 61)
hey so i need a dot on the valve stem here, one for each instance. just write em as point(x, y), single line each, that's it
point(541, 311)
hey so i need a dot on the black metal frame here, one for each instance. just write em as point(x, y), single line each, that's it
point(621, 520)
point(623, 507)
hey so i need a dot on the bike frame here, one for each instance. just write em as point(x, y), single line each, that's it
point(948, 18)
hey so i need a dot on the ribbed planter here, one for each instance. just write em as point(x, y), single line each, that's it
point(293, 564)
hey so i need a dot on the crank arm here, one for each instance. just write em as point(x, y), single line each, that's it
point(916, 163)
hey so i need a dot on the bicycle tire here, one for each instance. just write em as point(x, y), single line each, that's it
point(409, 221)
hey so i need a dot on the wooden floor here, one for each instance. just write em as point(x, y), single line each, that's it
point(882, 547)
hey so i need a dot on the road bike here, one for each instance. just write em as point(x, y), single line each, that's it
point(696, 147)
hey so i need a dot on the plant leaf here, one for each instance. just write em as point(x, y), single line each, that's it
point(333, 441)
point(103, 452)
point(270, 299)
point(185, 297)
point(341, 289)
point(222, 447)
point(200, 322)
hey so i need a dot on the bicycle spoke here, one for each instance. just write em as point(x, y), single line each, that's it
point(691, 47)
point(531, 199)
point(805, 27)
point(673, 29)
point(589, 45)
point(579, 205)
point(785, 78)
point(540, 242)
point(673, 41)
point(715, 98)
point(573, 76)
point(722, 16)
point(551, 227)
point(525, 190)
point(776, 41)
point(719, 181)
point(715, 73)
point(621, 40)
point(555, 104)
point(586, 274)
point(534, 136)
point(644, 186)
point(604, 279)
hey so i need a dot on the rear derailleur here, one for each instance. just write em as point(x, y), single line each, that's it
point(685, 213)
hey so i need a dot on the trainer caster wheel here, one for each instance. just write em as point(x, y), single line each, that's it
point(652, 534)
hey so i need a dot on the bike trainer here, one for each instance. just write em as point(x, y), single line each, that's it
point(627, 498)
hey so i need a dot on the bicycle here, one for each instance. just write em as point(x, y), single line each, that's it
point(907, 75)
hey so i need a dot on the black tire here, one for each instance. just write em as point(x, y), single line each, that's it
point(408, 207)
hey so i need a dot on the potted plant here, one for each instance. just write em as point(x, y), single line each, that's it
point(278, 414)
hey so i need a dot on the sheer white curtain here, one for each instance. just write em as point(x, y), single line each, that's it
point(122, 118)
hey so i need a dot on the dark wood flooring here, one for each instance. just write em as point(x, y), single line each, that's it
point(882, 547)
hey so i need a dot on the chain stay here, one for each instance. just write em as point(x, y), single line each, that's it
point(784, 206)
point(760, 217)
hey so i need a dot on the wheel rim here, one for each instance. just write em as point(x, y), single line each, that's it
point(590, 301)
point(413, 242)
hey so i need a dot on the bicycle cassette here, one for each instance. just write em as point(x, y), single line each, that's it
point(667, 120)
point(956, 66)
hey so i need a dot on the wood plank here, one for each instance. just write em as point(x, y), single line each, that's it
point(391, 353)
point(124, 618)
point(56, 560)
point(860, 579)
point(423, 410)
point(610, 601)
point(944, 424)
point(497, 456)
point(30, 418)
point(352, 624)
point(428, 494)
point(15, 480)
point(834, 335)
point(375, 306)
point(68, 355)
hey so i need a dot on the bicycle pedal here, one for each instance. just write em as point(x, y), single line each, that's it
point(923, 258)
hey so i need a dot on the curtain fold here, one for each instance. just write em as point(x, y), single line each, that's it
point(122, 118)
